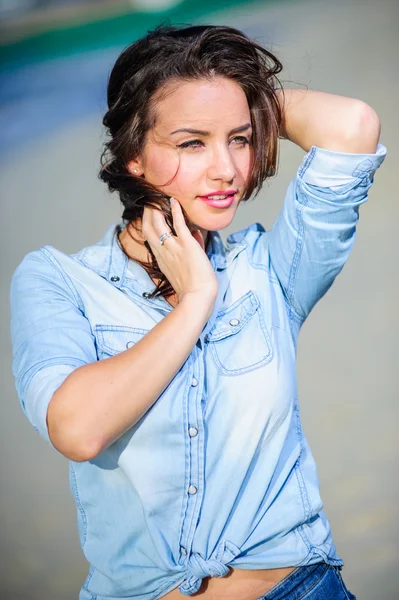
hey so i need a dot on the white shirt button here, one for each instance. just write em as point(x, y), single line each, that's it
point(194, 382)
point(130, 344)
point(192, 489)
point(183, 550)
point(234, 322)
point(192, 432)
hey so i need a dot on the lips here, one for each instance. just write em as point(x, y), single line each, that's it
point(219, 200)
point(224, 193)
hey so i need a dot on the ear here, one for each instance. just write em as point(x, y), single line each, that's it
point(134, 167)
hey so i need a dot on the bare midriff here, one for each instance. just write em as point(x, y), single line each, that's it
point(239, 584)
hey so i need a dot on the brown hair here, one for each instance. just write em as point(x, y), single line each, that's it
point(184, 53)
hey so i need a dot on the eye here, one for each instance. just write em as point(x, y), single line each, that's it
point(191, 144)
point(240, 140)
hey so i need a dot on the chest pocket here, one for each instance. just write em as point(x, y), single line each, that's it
point(112, 339)
point(239, 341)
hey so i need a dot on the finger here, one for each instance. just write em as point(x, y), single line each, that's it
point(179, 222)
point(148, 229)
point(160, 225)
point(146, 221)
point(198, 236)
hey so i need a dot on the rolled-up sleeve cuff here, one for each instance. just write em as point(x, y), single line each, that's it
point(328, 168)
point(39, 393)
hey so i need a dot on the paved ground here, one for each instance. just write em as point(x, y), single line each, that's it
point(346, 368)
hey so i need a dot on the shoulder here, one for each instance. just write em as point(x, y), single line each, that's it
point(37, 263)
point(49, 268)
point(39, 277)
point(246, 235)
point(253, 238)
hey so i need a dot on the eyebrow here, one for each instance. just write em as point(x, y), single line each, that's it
point(199, 132)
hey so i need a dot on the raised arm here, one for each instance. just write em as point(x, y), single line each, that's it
point(315, 230)
point(312, 118)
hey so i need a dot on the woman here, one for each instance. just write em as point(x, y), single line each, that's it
point(162, 362)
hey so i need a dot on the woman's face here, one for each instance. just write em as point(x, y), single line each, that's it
point(201, 145)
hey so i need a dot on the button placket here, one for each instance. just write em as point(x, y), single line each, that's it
point(193, 432)
point(195, 451)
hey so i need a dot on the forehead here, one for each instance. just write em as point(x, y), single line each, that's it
point(214, 103)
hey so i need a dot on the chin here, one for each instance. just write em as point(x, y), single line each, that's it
point(214, 222)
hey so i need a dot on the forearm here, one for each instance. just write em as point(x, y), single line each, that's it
point(98, 402)
point(312, 118)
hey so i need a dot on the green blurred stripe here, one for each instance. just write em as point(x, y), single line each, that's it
point(111, 31)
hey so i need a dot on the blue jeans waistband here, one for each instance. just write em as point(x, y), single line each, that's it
point(319, 581)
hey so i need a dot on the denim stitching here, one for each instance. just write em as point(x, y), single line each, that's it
point(341, 581)
point(363, 169)
point(187, 467)
point(243, 300)
point(292, 314)
point(339, 190)
point(275, 279)
point(249, 298)
point(231, 373)
point(201, 440)
point(299, 474)
point(114, 254)
point(255, 305)
point(59, 361)
point(280, 583)
point(79, 504)
point(277, 587)
point(87, 581)
point(315, 583)
point(305, 561)
point(307, 161)
point(266, 359)
point(100, 329)
point(51, 259)
point(297, 253)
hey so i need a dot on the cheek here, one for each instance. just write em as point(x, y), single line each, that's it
point(244, 163)
point(172, 171)
point(161, 167)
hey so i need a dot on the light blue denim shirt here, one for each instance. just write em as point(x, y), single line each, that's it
point(217, 473)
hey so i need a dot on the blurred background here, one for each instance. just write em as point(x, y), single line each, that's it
point(55, 58)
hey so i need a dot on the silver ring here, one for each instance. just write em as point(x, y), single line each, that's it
point(163, 237)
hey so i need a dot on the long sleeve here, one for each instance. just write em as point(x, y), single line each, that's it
point(315, 229)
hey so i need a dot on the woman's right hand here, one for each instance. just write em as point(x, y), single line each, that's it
point(181, 258)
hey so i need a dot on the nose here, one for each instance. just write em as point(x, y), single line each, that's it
point(222, 166)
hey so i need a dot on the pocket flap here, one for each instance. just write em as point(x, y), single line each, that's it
point(233, 319)
point(117, 338)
